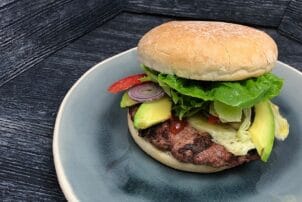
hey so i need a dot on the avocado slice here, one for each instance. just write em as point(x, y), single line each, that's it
point(151, 113)
point(127, 101)
point(262, 130)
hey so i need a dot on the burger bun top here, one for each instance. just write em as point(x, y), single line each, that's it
point(210, 51)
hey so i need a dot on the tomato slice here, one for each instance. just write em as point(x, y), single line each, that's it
point(213, 119)
point(126, 83)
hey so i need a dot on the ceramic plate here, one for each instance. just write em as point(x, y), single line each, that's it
point(97, 160)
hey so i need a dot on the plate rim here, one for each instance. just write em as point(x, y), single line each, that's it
point(60, 172)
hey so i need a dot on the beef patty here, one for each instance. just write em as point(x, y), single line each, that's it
point(192, 146)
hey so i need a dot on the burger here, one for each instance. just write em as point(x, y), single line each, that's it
point(203, 102)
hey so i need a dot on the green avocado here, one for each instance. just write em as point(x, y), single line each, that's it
point(151, 113)
point(127, 101)
point(262, 130)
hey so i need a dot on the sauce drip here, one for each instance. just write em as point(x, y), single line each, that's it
point(213, 119)
point(177, 125)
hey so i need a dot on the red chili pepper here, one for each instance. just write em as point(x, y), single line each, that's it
point(213, 119)
point(126, 83)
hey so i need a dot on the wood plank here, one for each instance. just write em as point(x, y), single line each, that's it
point(5, 3)
point(24, 169)
point(32, 31)
point(265, 13)
point(291, 24)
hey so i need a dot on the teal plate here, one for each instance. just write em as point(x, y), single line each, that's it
point(97, 160)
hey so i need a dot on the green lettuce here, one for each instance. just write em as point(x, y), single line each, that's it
point(183, 106)
point(245, 93)
point(189, 95)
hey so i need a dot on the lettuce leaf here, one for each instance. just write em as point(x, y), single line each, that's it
point(243, 94)
point(189, 95)
point(183, 106)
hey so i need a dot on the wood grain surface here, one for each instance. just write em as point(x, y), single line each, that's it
point(29, 103)
point(31, 30)
point(264, 13)
point(291, 24)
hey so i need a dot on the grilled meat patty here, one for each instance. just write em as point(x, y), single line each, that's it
point(191, 146)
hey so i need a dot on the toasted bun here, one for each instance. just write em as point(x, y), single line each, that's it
point(212, 51)
point(165, 157)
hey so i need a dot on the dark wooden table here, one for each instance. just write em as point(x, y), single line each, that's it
point(46, 47)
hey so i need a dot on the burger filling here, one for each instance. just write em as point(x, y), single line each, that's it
point(221, 123)
point(189, 145)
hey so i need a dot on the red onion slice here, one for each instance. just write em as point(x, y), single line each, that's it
point(146, 92)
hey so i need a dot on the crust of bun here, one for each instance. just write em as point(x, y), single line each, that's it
point(165, 157)
point(212, 51)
